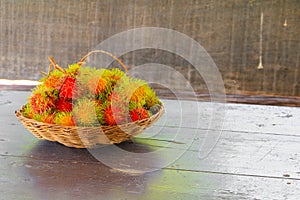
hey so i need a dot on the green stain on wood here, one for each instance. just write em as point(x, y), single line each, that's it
point(175, 184)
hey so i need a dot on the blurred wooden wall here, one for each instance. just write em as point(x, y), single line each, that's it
point(30, 30)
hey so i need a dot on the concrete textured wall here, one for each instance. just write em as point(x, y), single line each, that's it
point(30, 30)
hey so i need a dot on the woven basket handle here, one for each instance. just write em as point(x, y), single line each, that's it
point(82, 61)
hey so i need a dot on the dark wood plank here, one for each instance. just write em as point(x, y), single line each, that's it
point(237, 117)
point(235, 152)
point(240, 153)
point(247, 160)
point(267, 146)
point(42, 179)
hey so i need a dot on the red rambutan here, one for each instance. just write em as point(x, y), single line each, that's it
point(64, 105)
point(68, 88)
point(115, 115)
point(138, 114)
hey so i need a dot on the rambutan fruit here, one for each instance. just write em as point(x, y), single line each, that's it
point(88, 96)
point(139, 114)
point(53, 81)
point(113, 75)
point(28, 111)
point(84, 112)
point(96, 85)
point(41, 102)
point(73, 70)
point(64, 119)
point(64, 105)
point(116, 98)
point(68, 88)
point(48, 117)
point(115, 115)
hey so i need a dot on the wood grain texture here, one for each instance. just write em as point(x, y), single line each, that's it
point(253, 159)
point(228, 30)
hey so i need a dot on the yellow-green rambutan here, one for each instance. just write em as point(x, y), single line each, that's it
point(84, 112)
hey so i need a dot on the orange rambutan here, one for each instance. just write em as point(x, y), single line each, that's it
point(64, 119)
point(138, 96)
point(52, 81)
point(101, 86)
point(96, 85)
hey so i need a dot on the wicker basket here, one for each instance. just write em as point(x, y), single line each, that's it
point(87, 137)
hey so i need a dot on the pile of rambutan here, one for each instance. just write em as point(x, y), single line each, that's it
point(86, 96)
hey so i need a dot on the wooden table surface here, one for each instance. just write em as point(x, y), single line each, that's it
point(257, 156)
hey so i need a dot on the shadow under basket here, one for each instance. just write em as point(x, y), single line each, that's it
point(87, 137)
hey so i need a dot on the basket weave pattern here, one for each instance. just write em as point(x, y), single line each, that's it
point(87, 137)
